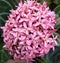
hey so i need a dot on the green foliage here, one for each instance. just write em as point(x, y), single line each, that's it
point(57, 10)
point(5, 6)
point(4, 56)
point(57, 2)
point(53, 56)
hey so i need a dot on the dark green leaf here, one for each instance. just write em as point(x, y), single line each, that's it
point(4, 56)
point(53, 56)
point(57, 10)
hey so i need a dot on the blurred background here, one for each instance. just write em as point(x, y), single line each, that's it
point(52, 56)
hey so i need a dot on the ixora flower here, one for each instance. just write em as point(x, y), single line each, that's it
point(28, 32)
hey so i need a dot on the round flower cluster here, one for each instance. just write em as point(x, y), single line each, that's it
point(28, 32)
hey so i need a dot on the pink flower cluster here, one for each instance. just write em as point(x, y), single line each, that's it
point(28, 32)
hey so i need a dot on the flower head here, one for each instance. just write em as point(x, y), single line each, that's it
point(28, 30)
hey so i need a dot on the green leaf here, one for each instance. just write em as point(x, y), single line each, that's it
point(53, 56)
point(57, 2)
point(7, 3)
point(4, 56)
point(57, 10)
point(5, 6)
